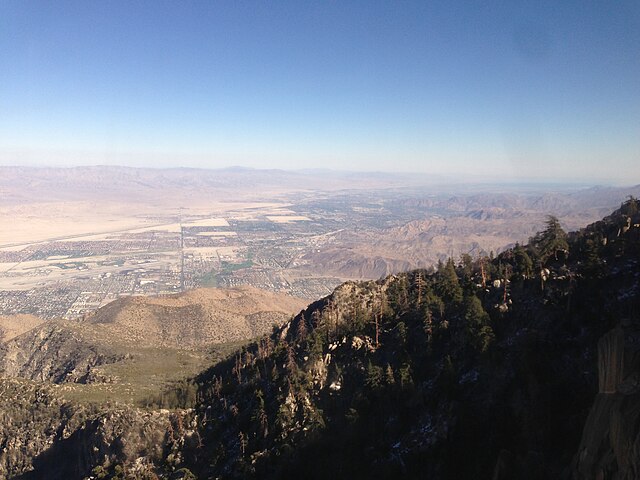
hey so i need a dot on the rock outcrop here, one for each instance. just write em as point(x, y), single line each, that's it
point(611, 360)
point(610, 445)
point(141, 440)
point(44, 437)
point(56, 351)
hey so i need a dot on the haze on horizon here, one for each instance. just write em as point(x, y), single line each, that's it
point(536, 90)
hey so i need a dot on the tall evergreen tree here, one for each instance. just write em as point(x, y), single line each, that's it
point(524, 264)
point(448, 285)
point(551, 240)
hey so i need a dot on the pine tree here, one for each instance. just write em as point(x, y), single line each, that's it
point(466, 262)
point(406, 378)
point(448, 284)
point(551, 240)
point(301, 334)
point(389, 376)
point(428, 325)
point(475, 315)
point(401, 333)
point(593, 264)
point(524, 264)
point(292, 366)
point(374, 376)
point(420, 284)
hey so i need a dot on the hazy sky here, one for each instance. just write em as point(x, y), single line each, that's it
point(527, 89)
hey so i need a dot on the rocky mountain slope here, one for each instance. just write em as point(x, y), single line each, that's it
point(66, 351)
point(56, 351)
point(150, 342)
point(37, 423)
point(523, 366)
point(435, 375)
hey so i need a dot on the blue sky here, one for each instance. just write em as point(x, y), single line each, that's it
point(512, 89)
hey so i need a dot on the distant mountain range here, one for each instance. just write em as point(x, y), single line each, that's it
point(451, 225)
point(54, 183)
point(23, 184)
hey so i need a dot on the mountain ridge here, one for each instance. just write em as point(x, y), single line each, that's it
point(216, 315)
point(365, 385)
point(485, 368)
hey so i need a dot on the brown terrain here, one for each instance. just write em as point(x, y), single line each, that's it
point(134, 347)
point(196, 318)
point(13, 325)
point(451, 225)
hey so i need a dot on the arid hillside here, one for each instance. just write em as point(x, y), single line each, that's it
point(13, 325)
point(131, 349)
point(443, 226)
point(196, 318)
point(135, 351)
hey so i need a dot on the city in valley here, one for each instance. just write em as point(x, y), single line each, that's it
point(72, 240)
point(262, 245)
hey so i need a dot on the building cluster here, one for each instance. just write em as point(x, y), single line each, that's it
point(73, 277)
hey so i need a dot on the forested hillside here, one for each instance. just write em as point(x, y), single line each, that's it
point(484, 368)
point(519, 366)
